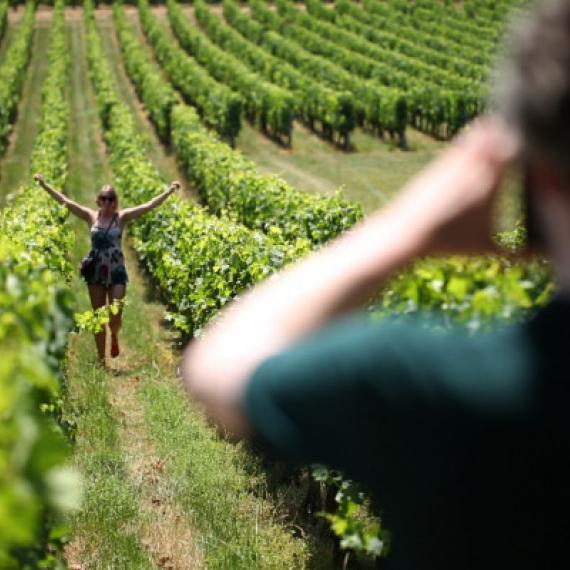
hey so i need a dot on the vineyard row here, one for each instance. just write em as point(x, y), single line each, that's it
point(12, 72)
point(35, 309)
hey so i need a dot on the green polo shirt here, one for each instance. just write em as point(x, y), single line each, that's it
point(463, 441)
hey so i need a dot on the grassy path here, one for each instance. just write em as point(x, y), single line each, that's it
point(125, 495)
point(15, 163)
point(372, 174)
point(132, 14)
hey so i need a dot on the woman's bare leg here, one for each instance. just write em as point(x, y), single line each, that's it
point(98, 295)
point(116, 292)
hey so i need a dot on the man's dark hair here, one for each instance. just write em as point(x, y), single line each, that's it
point(532, 84)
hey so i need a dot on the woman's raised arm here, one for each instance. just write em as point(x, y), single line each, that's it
point(80, 211)
point(132, 213)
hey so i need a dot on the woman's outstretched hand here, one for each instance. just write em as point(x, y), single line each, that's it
point(174, 185)
point(39, 179)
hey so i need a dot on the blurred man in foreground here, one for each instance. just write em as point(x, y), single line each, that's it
point(462, 440)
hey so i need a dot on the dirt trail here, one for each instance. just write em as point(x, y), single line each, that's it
point(172, 542)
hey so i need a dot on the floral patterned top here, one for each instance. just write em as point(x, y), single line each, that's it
point(110, 268)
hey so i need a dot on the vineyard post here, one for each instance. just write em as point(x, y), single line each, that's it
point(346, 137)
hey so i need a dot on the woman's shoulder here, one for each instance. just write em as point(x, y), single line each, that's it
point(93, 217)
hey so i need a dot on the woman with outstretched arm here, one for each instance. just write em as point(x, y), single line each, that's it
point(107, 276)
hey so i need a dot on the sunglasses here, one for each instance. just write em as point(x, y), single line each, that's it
point(108, 199)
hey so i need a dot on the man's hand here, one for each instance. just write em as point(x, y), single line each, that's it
point(39, 179)
point(453, 199)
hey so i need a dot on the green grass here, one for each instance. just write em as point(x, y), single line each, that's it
point(106, 532)
point(218, 486)
point(371, 174)
point(240, 528)
point(15, 164)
